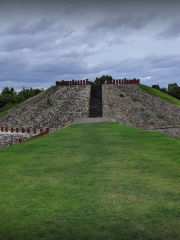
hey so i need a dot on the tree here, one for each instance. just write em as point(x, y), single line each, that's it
point(175, 92)
point(7, 90)
point(171, 86)
point(156, 86)
point(164, 90)
point(102, 80)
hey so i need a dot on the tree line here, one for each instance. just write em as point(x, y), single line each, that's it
point(172, 90)
point(10, 98)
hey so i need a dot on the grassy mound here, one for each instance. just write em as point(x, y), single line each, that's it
point(91, 181)
point(160, 94)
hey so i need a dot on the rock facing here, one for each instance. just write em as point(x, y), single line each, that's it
point(54, 109)
point(130, 105)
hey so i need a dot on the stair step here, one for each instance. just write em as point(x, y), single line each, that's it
point(95, 108)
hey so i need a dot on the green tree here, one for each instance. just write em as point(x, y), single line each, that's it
point(164, 90)
point(102, 80)
point(171, 86)
point(7, 90)
point(175, 92)
point(156, 86)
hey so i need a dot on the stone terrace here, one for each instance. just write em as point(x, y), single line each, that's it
point(54, 109)
point(130, 105)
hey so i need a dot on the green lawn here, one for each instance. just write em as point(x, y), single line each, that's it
point(160, 94)
point(91, 181)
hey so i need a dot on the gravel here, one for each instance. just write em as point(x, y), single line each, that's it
point(92, 120)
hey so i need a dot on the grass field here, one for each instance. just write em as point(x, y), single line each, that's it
point(160, 94)
point(91, 181)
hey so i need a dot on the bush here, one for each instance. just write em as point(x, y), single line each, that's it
point(102, 79)
point(135, 99)
point(49, 102)
point(146, 114)
point(161, 116)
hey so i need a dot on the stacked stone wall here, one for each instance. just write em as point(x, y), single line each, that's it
point(54, 109)
point(130, 105)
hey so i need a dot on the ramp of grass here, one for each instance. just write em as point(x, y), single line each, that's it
point(160, 94)
point(91, 181)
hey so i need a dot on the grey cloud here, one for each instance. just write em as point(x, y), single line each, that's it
point(45, 25)
point(40, 36)
point(172, 31)
point(124, 23)
point(45, 70)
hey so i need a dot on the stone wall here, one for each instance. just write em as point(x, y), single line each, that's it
point(130, 105)
point(54, 109)
point(7, 139)
point(63, 105)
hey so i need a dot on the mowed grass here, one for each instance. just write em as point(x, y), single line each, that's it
point(91, 181)
point(160, 94)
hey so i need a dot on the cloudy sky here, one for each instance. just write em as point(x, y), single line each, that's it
point(44, 41)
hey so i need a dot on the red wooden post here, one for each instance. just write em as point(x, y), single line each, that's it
point(47, 130)
point(87, 82)
point(17, 130)
point(28, 130)
point(6, 129)
point(20, 140)
point(83, 82)
point(34, 130)
point(119, 81)
point(41, 130)
point(72, 82)
point(116, 81)
point(2, 129)
point(23, 130)
point(12, 130)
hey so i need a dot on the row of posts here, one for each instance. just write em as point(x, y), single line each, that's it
point(123, 81)
point(23, 130)
point(72, 83)
point(108, 81)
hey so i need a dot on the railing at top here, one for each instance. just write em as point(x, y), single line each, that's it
point(72, 83)
point(123, 81)
point(108, 81)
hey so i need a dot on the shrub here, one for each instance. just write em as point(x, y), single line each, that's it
point(135, 99)
point(161, 116)
point(49, 102)
point(121, 95)
point(146, 114)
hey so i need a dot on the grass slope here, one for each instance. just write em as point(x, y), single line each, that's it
point(160, 94)
point(91, 181)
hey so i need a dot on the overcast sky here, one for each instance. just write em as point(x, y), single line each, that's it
point(44, 41)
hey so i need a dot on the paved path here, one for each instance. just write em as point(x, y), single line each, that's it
point(91, 120)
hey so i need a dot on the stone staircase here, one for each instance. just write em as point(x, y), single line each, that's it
point(95, 108)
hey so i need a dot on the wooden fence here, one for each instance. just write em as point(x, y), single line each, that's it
point(108, 81)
